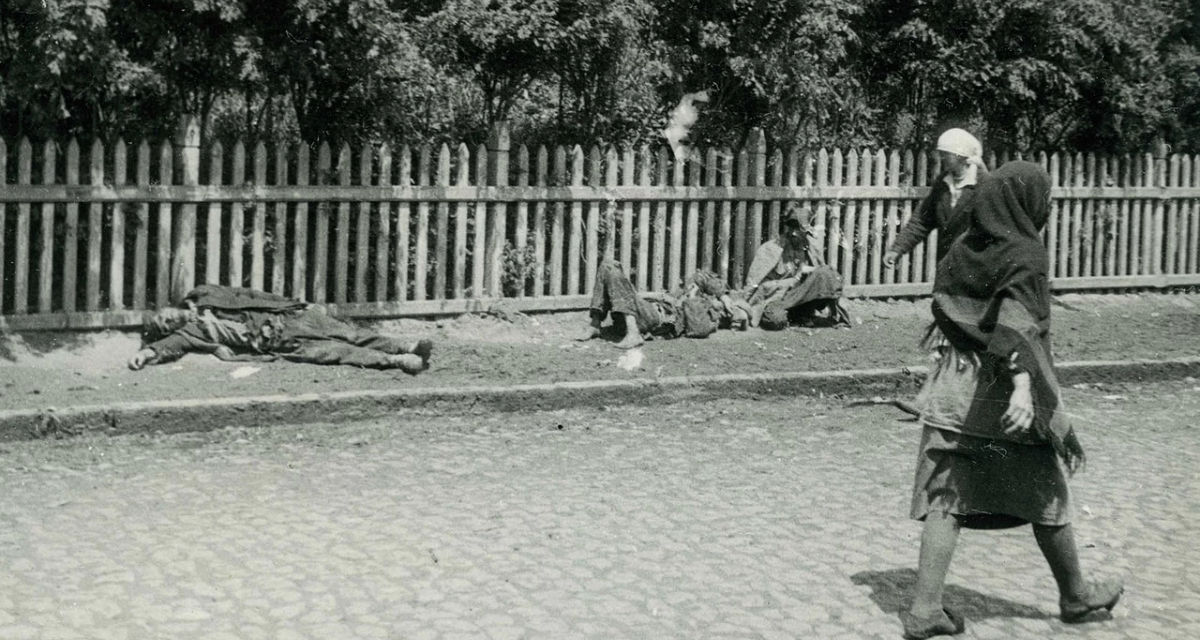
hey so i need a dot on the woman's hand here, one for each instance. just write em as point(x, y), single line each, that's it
point(1019, 416)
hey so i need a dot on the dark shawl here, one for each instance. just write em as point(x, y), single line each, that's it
point(991, 293)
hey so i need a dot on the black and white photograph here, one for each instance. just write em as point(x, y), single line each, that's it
point(599, 319)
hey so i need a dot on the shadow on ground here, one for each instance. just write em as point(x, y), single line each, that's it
point(890, 590)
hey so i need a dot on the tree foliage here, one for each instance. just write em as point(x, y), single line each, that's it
point(1109, 75)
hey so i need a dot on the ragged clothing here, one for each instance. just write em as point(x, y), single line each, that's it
point(248, 325)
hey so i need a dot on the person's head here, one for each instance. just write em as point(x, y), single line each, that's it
point(793, 228)
point(163, 323)
point(958, 149)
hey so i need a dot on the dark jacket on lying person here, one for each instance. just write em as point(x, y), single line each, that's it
point(239, 324)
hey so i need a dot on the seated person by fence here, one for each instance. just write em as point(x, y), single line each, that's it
point(238, 324)
point(694, 312)
point(788, 280)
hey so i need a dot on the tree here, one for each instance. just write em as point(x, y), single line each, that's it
point(784, 65)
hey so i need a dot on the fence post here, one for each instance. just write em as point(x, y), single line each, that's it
point(498, 148)
point(183, 276)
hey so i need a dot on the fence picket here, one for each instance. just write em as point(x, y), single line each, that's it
point(818, 217)
point(880, 162)
point(893, 215)
point(299, 261)
point(1151, 246)
point(849, 220)
point(441, 252)
point(461, 215)
point(235, 253)
point(163, 239)
point(1078, 223)
point(1171, 223)
point(1092, 250)
point(776, 206)
point(611, 169)
point(46, 246)
point(833, 226)
point(212, 217)
point(22, 238)
point(95, 233)
point(141, 242)
point(183, 262)
point(862, 233)
point(592, 243)
point(906, 209)
point(403, 232)
point(539, 224)
point(724, 228)
point(498, 226)
point(575, 235)
point(628, 222)
point(279, 219)
point(479, 247)
point(758, 177)
point(708, 240)
point(320, 254)
point(362, 243)
point(557, 223)
point(116, 238)
point(696, 213)
point(521, 229)
point(675, 277)
point(383, 227)
point(341, 246)
point(420, 281)
point(740, 239)
point(1124, 216)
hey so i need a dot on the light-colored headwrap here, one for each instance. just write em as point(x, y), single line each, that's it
point(962, 143)
point(959, 142)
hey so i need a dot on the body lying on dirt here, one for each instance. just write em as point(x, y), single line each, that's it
point(239, 324)
point(786, 282)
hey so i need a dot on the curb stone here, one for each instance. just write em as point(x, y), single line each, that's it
point(252, 411)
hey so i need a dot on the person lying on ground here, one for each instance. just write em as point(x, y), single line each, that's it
point(952, 193)
point(694, 312)
point(788, 280)
point(238, 324)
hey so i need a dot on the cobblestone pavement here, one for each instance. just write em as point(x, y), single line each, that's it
point(715, 519)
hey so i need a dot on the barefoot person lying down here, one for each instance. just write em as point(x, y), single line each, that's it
point(237, 324)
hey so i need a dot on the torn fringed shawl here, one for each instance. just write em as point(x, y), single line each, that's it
point(991, 293)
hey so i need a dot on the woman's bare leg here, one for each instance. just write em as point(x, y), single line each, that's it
point(938, 541)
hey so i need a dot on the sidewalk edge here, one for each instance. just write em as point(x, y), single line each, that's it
point(254, 411)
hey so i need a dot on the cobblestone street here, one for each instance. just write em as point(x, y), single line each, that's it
point(711, 519)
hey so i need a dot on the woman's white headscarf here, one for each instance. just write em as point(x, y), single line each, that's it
point(962, 143)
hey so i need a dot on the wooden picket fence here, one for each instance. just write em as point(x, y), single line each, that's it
point(400, 231)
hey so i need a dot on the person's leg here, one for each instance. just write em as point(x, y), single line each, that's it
point(338, 352)
point(633, 335)
point(610, 282)
point(1077, 597)
point(938, 541)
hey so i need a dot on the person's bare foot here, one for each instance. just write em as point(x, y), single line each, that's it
point(630, 341)
point(1102, 594)
point(409, 363)
point(592, 333)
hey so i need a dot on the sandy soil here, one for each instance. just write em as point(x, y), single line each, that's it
point(42, 370)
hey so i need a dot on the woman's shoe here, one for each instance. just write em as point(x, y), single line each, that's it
point(1102, 594)
point(945, 622)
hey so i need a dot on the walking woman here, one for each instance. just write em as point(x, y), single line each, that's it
point(996, 448)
